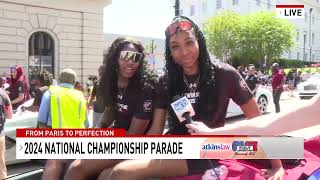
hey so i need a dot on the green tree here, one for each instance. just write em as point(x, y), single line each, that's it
point(248, 39)
point(221, 33)
point(273, 36)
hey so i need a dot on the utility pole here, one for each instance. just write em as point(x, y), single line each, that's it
point(177, 8)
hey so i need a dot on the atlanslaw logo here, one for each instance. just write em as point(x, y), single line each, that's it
point(210, 147)
point(290, 11)
point(245, 147)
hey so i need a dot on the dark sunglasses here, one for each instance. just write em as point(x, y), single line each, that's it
point(182, 25)
point(134, 56)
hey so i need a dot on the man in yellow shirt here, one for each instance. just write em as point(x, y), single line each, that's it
point(62, 107)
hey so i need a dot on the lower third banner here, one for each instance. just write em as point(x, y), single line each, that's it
point(101, 146)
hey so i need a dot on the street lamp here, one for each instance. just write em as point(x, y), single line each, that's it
point(310, 45)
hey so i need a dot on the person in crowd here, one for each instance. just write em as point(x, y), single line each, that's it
point(242, 71)
point(278, 124)
point(5, 113)
point(41, 83)
point(128, 88)
point(96, 98)
point(19, 87)
point(291, 78)
point(189, 72)
point(78, 86)
point(2, 81)
point(278, 79)
point(92, 80)
point(252, 79)
point(297, 79)
point(62, 107)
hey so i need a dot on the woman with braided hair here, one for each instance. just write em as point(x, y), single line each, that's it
point(127, 88)
point(208, 85)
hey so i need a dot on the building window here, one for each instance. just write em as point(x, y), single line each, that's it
point(181, 12)
point(312, 18)
point(235, 2)
point(298, 34)
point(269, 4)
point(219, 4)
point(41, 53)
point(192, 10)
point(305, 56)
point(313, 57)
point(298, 56)
point(204, 6)
point(289, 54)
point(258, 2)
point(312, 39)
point(305, 17)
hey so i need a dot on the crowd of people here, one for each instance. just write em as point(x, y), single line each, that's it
point(128, 95)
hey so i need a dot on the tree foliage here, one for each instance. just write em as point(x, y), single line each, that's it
point(253, 38)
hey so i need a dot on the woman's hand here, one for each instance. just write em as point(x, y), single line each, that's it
point(273, 174)
point(198, 128)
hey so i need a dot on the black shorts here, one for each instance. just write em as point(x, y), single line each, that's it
point(199, 166)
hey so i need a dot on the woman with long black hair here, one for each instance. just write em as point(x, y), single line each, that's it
point(127, 87)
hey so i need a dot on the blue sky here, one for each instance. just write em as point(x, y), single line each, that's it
point(147, 18)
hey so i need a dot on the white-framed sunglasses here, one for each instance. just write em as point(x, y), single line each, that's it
point(135, 57)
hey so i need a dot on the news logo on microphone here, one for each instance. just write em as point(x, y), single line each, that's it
point(181, 106)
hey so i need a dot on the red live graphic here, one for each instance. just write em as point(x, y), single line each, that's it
point(39, 133)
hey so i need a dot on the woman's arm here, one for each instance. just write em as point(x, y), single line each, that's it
point(251, 109)
point(8, 111)
point(159, 119)
point(18, 99)
point(92, 96)
point(138, 126)
point(106, 118)
point(276, 124)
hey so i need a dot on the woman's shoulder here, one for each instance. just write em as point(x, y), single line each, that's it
point(223, 67)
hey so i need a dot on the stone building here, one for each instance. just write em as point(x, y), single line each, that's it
point(52, 34)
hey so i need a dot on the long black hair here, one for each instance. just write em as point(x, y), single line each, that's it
point(143, 78)
point(174, 75)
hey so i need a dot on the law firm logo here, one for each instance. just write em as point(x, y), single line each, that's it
point(290, 11)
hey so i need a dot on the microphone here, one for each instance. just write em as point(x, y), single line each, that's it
point(182, 108)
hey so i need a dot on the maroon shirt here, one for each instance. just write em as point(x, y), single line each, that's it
point(277, 79)
point(230, 84)
point(133, 103)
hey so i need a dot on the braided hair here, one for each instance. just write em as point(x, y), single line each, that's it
point(207, 83)
point(143, 78)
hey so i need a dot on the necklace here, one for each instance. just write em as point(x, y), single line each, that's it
point(122, 91)
point(191, 86)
